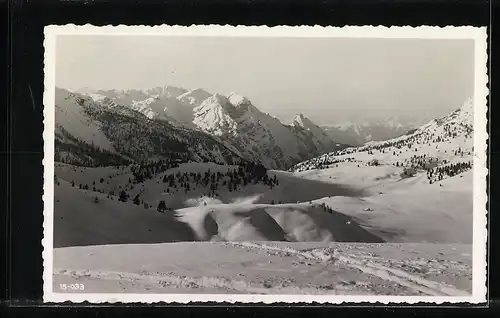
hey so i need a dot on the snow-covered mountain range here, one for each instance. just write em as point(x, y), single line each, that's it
point(231, 119)
point(100, 132)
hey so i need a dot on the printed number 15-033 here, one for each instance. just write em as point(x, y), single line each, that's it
point(71, 286)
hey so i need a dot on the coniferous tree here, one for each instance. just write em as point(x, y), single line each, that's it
point(136, 200)
point(162, 207)
point(123, 196)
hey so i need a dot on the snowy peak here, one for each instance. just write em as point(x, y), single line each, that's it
point(150, 107)
point(349, 126)
point(243, 106)
point(357, 134)
point(301, 121)
point(194, 97)
point(298, 120)
point(217, 101)
point(237, 100)
point(305, 123)
point(167, 91)
point(467, 109)
point(319, 137)
point(462, 118)
point(213, 115)
point(468, 105)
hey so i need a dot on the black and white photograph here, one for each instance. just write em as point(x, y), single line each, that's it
point(245, 164)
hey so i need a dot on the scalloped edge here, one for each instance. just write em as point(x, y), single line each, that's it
point(480, 230)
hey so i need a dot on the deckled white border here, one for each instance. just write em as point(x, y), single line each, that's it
point(479, 170)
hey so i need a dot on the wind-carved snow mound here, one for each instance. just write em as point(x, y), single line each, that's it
point(204, 200)
point(79, 221)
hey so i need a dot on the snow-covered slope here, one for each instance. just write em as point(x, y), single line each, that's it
point(70, 116)
point(419, 184)
point(440, 141)
point(376, 197)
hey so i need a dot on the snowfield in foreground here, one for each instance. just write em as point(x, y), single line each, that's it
point(268, 268)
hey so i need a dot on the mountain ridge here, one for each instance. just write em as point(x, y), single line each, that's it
point(231, 117)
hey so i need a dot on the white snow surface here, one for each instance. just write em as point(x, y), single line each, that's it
point(268, 268)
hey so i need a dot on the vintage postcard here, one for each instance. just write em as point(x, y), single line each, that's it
point(265, 164)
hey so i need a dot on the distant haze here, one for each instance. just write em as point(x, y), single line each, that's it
point(329, 80)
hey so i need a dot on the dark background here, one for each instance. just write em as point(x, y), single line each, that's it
point(22, 57)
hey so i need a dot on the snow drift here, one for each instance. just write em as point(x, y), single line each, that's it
point(79, 221)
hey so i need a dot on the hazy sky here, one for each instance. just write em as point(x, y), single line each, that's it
point(328, 79)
